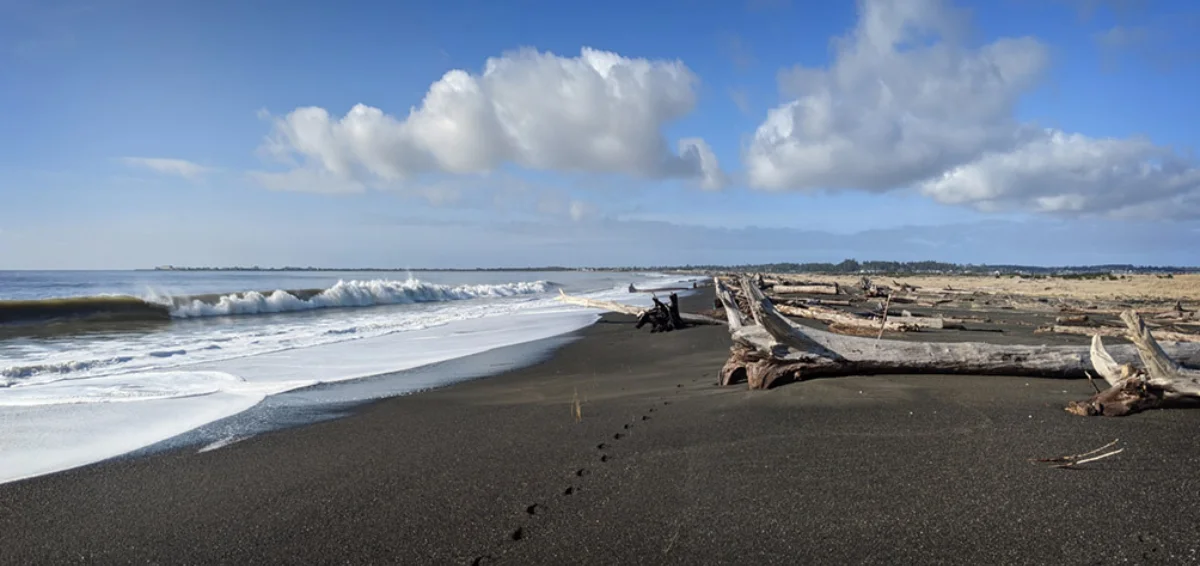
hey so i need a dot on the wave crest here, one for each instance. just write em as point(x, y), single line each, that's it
point(350, 294)
point(343, 294)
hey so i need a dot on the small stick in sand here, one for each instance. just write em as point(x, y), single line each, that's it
point(1077, 459)
point(883, 324)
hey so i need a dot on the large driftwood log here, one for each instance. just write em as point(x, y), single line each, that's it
point(822, 302)
point(776, 349)
point(844, 319)
point(1165, 335)
point(807, 289)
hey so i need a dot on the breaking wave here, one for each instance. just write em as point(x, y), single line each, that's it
point(344, 294)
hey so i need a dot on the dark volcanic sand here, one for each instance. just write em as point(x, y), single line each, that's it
point(664, 468)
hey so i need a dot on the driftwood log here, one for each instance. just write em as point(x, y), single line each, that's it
point(807, 289)
point(768, 349)
point(1166, 335)
point(1161, 382)
point(661, 316)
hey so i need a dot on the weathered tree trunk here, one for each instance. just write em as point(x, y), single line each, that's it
point(673, 311)
point(1110, 331)
point(806, 289)
point(812, 302)
point(843, 319)
point(783, 350)
point(1162, 383)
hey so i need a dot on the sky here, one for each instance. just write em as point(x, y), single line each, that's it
point(459, 134)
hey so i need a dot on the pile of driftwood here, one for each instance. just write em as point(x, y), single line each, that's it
point(661, 317)
point(769, 349)
point(1087, 325)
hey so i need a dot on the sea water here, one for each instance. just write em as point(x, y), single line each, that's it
point(99, 364)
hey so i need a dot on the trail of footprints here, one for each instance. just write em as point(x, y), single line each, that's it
point(535, 509)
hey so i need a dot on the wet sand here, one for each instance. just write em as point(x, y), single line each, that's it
point(664, 468)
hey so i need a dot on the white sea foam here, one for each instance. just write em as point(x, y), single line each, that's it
point(86, 412)
point(203, 342)
point(352, 294)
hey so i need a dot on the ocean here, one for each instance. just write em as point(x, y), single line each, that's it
point(97, 364)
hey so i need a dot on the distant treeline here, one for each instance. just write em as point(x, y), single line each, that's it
point(851, 266)
point(845, 267)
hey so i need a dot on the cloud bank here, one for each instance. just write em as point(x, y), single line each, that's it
point(906, 103)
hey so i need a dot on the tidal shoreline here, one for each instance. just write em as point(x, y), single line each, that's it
point(663, 467)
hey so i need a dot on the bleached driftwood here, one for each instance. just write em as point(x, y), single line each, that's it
point(1165, 335)
point(807, 289)
point(1162, 382)
point(775, 349)
point(844, 319)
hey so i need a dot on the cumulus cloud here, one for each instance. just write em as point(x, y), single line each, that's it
point(905, 103)
point(166, 166)
point(598, 112)
point(894, 107)
point(1073, 173)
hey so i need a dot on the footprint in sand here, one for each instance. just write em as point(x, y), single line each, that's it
point(628, 426)
point(645, 417)
point(481, 560)
point(581, 472)
point(604, 457)
point(518, 534)
point(601, 446)
point(618, 436)
point(569, 491)
point(533, 509)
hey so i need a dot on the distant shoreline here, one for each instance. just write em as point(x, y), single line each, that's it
point(384, 269)
point(847, 267)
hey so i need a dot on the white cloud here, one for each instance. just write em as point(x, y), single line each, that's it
point(906, 104)
point(1071, 173)
point(895, 107)
point(598, 112)
point(166, 166)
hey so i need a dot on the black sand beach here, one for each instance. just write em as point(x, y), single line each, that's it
point(663, 468)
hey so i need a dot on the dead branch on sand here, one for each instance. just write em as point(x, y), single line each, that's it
point(1077, 459)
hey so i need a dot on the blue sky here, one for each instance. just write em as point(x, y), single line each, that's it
point(140, 133)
